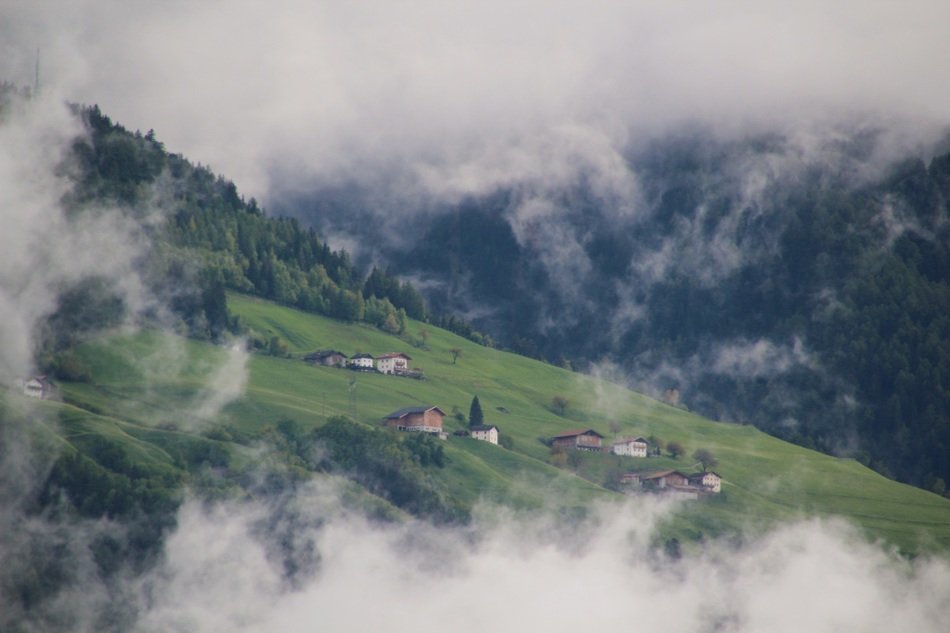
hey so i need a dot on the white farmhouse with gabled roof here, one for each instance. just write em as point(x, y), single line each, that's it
point(630, 446)
point(362, 361)
point(394, 363)
point(485, 433)
point(36, 387)
point(710, 481)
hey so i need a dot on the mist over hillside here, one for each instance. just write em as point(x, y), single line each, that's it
point(781, 281)
point(743, 202)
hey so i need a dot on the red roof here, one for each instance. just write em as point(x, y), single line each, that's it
point(394, 355)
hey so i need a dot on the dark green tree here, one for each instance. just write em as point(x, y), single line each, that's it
point(475, 415)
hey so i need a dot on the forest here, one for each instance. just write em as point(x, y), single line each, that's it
point(210, 239)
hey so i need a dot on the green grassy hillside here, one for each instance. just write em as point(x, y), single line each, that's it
point(151, 383)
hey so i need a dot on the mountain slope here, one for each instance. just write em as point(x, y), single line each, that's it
point(801, 286)
point(765, 479)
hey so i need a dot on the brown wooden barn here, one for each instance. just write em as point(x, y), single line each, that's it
point(578, 439)
point(424, 419)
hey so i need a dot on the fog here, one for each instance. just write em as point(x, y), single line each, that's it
point(42, 251)
point(464, 98)
point(223, 570)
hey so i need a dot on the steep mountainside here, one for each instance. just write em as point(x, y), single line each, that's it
point(172, 391)
point(802, 288)
point(149, 393)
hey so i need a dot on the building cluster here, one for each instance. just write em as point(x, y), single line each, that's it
point(691, 486)
point(393, 364)
point(672, 481)
point(428, 419)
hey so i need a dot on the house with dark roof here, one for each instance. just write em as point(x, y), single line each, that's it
point(327, 357)
point(578, 439)
point(36, 387)
point(665, 479)
point(707, 481)
point(424, 419)
point(630, 446)
point(362, 362)
point(485, 433)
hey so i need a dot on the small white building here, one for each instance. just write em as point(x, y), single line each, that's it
point(485, 433)
point(710, 481)
point(394, 363)
point(36, 387)
point(362, 361)
point(630, 446)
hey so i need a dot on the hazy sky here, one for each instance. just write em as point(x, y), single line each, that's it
point(464, 96)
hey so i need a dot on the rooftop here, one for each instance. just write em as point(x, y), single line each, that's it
point(401, 413)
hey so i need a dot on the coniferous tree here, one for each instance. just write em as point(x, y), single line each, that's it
point(475, 416)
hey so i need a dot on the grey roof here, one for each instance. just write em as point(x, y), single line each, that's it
point(323, 353)
point(576, 432)
point(483, 427)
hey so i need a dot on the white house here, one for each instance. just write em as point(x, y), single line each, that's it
point(630, 446)
point(36, 387)
point(710, 481)
point(485, 433)
point(395, 363)
point(362, 361)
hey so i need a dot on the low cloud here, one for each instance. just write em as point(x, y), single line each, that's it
point(469, 98)
point(760, 358)
point(42, 249)
point(226, 382)
point(219, 573)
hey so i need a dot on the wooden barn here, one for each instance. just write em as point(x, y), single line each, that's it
point(424, 419)
point(578, 439)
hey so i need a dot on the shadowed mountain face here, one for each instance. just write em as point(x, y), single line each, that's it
point(799, 287)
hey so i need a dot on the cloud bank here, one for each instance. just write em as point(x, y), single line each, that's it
point(42, 250)
point(451, 98)
point(219, 572)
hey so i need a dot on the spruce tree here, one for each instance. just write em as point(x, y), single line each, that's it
point(475, 417)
